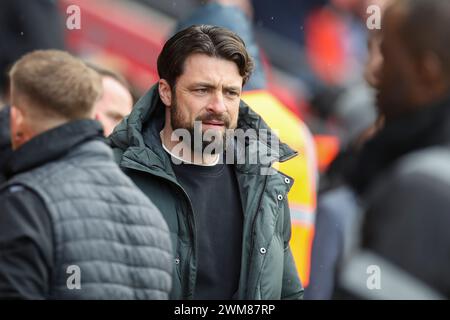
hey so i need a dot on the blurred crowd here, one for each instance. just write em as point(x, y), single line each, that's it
point(360, 213)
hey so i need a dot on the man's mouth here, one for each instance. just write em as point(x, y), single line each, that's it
point(216, 123)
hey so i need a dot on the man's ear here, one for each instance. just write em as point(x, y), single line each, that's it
point(432, 70)
point(17, 124)
point(165, 92)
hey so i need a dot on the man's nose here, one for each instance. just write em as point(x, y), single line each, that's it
point(217, 103)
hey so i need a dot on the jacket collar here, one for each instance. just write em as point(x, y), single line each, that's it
point(425, 128)
point(51, 145)
point(137, 136)
point(5, 139)
point(4, 128)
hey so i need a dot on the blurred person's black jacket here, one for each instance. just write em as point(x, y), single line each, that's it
point(25, 26)
point(403, 175)
point(337, 210)
point(5, 143)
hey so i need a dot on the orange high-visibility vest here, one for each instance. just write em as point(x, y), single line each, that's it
point(303, 169)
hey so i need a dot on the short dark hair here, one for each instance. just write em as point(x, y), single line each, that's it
point(204, 39)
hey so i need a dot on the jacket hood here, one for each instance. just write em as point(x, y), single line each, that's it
point(147, 120)
point(52, 144)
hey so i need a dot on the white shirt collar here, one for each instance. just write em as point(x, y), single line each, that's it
point(186, 161)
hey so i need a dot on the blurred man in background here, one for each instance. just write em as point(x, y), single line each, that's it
point(114, 104)
point(403, 173)
point(116, 101)
point(337, 204)
point(66, 205)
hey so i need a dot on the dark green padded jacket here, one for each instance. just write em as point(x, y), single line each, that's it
point(268, 270)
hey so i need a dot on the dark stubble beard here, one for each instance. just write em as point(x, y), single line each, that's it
point(178, 122)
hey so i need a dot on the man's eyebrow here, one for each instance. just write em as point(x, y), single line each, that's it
point(232, 88)
point(203, 84)
point(212, 86)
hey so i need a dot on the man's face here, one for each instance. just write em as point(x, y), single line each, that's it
point(398, 79)
point(209, 92)
point(115, 103)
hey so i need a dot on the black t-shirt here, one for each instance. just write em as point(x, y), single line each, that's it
point(218, 215)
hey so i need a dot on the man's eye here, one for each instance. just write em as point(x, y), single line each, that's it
point(201, 91)
point(232, 93)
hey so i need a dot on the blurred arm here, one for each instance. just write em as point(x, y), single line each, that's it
point(25, 245)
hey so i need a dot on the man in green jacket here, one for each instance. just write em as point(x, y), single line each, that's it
point(228, 214)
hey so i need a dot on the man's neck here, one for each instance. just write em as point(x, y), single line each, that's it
point(191, 157)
